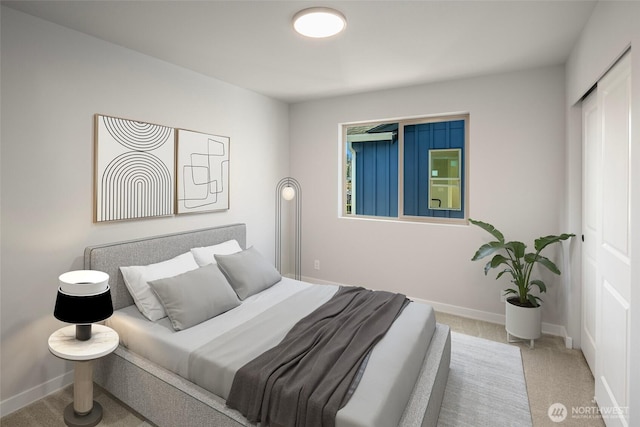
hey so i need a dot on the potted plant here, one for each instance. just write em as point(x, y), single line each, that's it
point(523, 311)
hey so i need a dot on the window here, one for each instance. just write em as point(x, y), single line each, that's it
point(410, 169)
point(444, 179)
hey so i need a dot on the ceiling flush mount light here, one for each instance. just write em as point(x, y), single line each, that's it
point(319, 22)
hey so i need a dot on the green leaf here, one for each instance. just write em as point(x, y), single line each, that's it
point(489, 229)
point(499, 260)
point(496, 261)
point(518, 248)
point(532, 258)
point(533, 300)
point(506, 270)
point(486, 250)
point(548, 263)
point(487, 267)
point(540, 284)
point(543, 242)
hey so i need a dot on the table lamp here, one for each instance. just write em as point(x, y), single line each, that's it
point(84, 297)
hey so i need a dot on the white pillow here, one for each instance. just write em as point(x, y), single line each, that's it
point(136, 278)
point(205, 255)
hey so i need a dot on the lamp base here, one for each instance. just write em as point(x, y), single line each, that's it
point(90, 419)
point(83, 332)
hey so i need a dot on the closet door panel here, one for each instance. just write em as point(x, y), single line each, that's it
point(614, 263)
point(591, 196)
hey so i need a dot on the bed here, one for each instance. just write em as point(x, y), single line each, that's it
point(152, 380)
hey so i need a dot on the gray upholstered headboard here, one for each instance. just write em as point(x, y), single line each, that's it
point(109, 257)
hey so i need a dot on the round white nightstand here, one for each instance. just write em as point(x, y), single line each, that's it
point(63, 343)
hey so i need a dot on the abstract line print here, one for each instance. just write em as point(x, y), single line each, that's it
point(134, 169)
point(203, 172)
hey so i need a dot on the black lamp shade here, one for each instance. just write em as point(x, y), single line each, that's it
point(83, 309)
point(84, 297)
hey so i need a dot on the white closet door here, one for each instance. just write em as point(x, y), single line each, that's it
point(613, 254)
point(591, 195)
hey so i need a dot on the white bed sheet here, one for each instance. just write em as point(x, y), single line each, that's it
point(160, 343)
point(384, 389)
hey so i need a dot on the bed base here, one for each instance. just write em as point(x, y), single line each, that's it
point(165, 398)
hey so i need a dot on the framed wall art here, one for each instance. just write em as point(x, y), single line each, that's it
point(202, 169)
point(134, 169)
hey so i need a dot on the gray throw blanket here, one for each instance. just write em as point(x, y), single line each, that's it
point(311, 374)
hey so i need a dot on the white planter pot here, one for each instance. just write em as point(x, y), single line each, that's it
point(523, 322)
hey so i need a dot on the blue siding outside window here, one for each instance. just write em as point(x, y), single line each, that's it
point(418, 141)
point(376, 177)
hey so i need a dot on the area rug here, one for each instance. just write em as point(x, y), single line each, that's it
point(486, 385)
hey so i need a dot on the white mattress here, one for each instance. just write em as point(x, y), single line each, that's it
point(384, 388)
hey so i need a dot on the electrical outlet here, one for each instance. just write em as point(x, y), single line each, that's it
point(316, 264)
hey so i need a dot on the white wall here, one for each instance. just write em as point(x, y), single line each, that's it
point(612, 28)
point(53, 81)
point(516, 181)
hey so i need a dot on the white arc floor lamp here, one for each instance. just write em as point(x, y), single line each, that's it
point(287, 190)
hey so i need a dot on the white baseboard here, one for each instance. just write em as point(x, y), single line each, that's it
point(319, 281)
point(27, 397)
point(547, 328)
